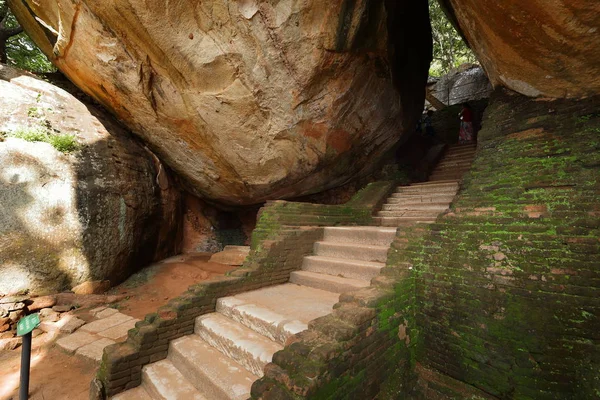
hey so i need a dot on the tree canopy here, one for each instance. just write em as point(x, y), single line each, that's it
point(449, 49)
point(15, 46)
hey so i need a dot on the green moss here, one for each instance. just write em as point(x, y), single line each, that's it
point(62, 142)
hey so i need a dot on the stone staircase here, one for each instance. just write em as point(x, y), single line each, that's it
point(230, 347)
point(456, 161)
point(423, 202)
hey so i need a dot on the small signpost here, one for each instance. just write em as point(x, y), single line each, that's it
point(24, 328)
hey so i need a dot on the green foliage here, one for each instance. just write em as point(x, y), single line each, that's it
point(30, 133)
point(449, 50)
point(41, 131)
point(64, 143)
point(24, 54)
point(21, 52)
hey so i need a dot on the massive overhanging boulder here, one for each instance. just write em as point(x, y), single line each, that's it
point(247, 100)
point(94, 205)
point(534, 47)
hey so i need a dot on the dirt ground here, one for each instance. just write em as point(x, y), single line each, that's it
point(56, 375)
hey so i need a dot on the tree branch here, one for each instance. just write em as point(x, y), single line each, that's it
point(11, 31)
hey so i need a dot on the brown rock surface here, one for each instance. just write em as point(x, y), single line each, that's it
point(247, 100)
point(231, 255)
point(535, 47)
point(91, 287)
point(95, 213)
point(38, 303)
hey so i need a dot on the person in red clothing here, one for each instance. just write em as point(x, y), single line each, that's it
point(465, 134)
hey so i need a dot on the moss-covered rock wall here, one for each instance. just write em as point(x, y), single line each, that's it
point(508, 283)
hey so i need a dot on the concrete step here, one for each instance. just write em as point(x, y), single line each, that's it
point(391, 221)
point(454, 163)
point(264, 312)
point(330, 283)
point(467, 158)
point(427, 184)
point(427, 191)
point(410, 213)
point(436, 183)
point(351, 269)
point(212, 373)
point(449, 164)
point(368, 235)
point(461, 148)
point(430, 186)
point(138, 393)
point(237, 341)
point(163, 381)
point(351, 251)
point(413, 199)
point(440, 207)
point(442, 176)
point(460, 153)
point(451, 172)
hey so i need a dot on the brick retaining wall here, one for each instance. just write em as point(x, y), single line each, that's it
point(284, 234)
point(499, 298)
point(508, 287)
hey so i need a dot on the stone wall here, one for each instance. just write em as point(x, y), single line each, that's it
point(507, 284)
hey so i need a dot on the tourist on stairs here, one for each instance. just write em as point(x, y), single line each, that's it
point(466, 124)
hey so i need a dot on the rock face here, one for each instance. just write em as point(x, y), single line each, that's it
point(247, 100)
point(535, 47)
point(96, 213)
point(461, 85)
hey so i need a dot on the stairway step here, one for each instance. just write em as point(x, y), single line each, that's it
point(453, 181)
point(138, 393)
point(440, 207)
point(389, 221)
point(163, 381)
point(330, 283)
point(426, 192)
point(410, 199)
point(211, 372)
point(462, 148)
point(463, 158)
point(351, 269)
point(441, 186)
point(452, 173)
point(461, 155)
point(451, 164)
point(264, 311)
point(351, 251)
point(233, 339)
point(460, 152)
point(368, 235)
point(427, 214)
point(429, 185)
point(437, 176)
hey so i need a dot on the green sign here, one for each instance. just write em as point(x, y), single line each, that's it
point(27, 324)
